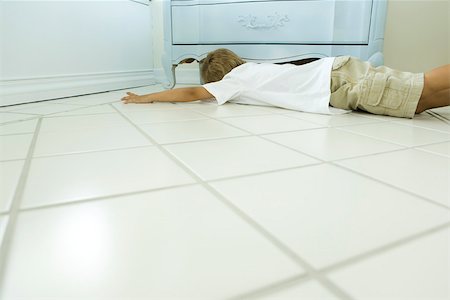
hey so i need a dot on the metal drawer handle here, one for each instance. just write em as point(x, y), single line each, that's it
point(269, 22)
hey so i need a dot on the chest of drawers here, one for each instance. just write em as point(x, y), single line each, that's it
point(272, 31)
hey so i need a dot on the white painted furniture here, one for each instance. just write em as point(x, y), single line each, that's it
point(272, 31)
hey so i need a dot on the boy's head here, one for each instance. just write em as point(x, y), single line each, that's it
point(218, 63)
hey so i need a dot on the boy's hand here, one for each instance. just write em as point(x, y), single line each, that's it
point(133, 98)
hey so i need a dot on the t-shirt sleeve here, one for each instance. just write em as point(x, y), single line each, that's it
point(224, 90)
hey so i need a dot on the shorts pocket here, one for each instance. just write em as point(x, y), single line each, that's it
point(384, 92)
point(397, 90)
point(339, 62)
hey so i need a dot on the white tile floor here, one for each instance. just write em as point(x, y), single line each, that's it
point(105, 201)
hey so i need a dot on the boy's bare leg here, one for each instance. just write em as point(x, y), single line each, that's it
point(436, 90)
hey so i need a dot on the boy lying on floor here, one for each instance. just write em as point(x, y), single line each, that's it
point(331, 85)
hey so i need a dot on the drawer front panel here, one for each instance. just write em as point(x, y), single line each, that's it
point(291, 22)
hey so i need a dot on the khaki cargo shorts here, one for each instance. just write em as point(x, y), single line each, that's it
point(355, 84)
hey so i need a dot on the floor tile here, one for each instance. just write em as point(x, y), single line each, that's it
point(174, 244)
point(183, 131)
point(419, 172)
point(94, 139)
point(441, 148)
point(48, 109)
point(18, 127)
point(134, 107)
point(81, 176)
point(14, 146)
point(425, 121)
point(83, 122)
point(331, 144)
point(9, 177)
point(237, 156)
point(310, 290)
point(196, 104)
point(12, 108)
point(6, 117)
point(271, 109)
point(334, 120)
point(90, 110)
point(184, 240)
point(400, 134)
point(376, 117)
point(442, 111)
point(154, 116)
point(93, 99)
point(417, 270)
point(230, 110)
point(270, 123)
point(326, 214)
point(3, 223)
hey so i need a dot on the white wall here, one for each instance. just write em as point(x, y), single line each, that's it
point(51, 49)
point(417, 34)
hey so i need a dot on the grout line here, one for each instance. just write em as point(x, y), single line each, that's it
point(18, 133)
point(385, 248)
point(398, 144)
point(15, 206)
point(91, 151)
point(31, 117)
point(12, 160)
point(370, 121)
point(52, 115)
point(262, 173)
point(300, 279)
point(256, 226)
point(433, 152)
point(18, 112)
point(84, 200)
point(429, 201)
point(438, 116)
point(101, 198)
point(272, 288)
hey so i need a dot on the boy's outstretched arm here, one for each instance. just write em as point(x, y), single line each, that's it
point(175, 95)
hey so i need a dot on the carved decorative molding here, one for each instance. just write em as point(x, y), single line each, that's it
point(270, 22)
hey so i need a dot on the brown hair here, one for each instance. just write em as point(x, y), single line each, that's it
point(218, 63)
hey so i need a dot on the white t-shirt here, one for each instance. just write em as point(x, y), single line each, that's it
point(304, 87)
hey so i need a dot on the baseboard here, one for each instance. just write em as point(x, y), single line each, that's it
point(15, 91)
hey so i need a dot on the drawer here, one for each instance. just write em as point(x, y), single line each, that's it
point(272, 22)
